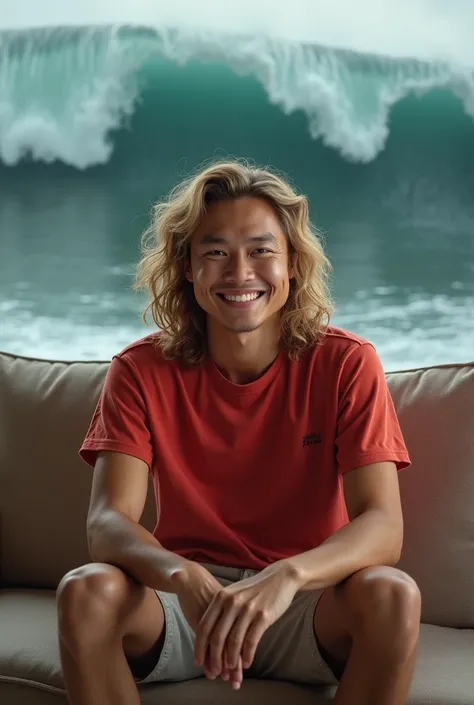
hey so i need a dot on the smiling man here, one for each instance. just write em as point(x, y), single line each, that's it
point(274, 447)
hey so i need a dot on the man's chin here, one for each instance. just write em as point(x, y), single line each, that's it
point(246, 324)
point(243, 328)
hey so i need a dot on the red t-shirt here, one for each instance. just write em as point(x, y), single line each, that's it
point(245, 475)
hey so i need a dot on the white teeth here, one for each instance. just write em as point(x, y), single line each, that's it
point(243, 297)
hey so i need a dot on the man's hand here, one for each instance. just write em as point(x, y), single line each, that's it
point(239, 614)
point(195, 591)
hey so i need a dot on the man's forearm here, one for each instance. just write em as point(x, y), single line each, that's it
point(367, 540)
point(116, 539)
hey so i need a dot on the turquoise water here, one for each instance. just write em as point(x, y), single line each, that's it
point(96, 124)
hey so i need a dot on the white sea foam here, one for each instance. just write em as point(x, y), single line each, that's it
point(420, 331)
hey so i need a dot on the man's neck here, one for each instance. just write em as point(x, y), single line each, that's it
point(243, 357)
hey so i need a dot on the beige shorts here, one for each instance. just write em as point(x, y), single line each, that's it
point(287, 651)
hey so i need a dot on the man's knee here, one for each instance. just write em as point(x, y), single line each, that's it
point(385, 602)
point(89, 598)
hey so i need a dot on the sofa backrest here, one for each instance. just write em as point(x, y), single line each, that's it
point(45, 410)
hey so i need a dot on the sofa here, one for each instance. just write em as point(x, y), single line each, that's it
point(45, 409)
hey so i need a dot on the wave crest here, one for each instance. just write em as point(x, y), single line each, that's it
point(65, 90)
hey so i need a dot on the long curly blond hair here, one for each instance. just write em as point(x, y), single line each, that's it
point(166, 250)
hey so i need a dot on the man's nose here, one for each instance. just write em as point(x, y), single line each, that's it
point(239, 269)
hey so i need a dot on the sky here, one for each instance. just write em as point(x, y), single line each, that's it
point(425, 29)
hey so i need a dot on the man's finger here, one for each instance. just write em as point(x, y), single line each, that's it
point(252, 639)
point(236, 637)
point(207, 665)
point(204, 628)
point(236, 676)
point(218, 638)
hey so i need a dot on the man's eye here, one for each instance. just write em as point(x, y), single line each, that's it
point(262, 250)
point(215, 253)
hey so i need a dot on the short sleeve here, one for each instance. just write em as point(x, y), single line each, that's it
point(368, 430)
point(120, 420)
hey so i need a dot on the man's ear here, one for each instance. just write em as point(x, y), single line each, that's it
point(188, 272)
point(291, 265)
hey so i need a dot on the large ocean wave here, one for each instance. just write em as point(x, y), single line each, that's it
point(64, 91)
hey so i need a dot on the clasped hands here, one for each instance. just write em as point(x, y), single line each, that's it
point(237, 616)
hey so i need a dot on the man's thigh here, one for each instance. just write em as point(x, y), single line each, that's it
point(288, 649)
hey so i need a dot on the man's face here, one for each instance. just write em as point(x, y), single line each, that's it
point(239, 266)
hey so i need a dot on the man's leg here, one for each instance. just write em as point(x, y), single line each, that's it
point(106, 620)
point(367, 629)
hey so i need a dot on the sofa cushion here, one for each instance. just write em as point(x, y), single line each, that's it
point(29, 658)
point(45, 410)
point(435, 406)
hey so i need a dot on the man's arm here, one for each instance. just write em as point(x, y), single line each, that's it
point(119, 491)
point(374, 535)
point(114, 536)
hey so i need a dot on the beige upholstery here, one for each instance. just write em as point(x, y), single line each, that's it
point(45, 409)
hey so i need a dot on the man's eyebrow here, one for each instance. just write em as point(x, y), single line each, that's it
point(220, 240)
